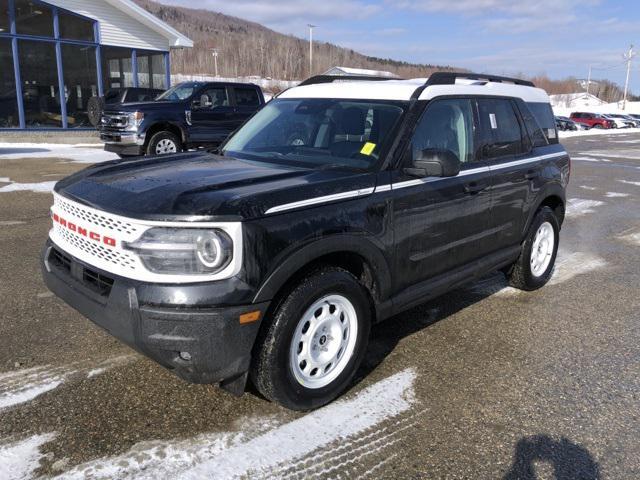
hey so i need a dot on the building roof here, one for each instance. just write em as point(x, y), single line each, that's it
point(403, 89)
point(176, 39)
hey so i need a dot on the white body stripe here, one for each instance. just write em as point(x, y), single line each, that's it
point(408, 183)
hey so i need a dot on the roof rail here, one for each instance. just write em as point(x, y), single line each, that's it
point(332, 78)
point(449, 78)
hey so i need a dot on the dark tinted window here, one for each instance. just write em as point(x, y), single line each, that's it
point(544, 115)
point(74, 27)
point(81, 82)
point(8, 100)
point(33, 18)
point(446, 125)
point(214, 97)
point(247, 97)
point(4, 16)
point(538, 138)
point(501, 129)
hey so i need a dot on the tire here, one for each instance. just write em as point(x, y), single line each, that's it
point(163, 143)
point(95, 107)
point(532, 272)
point(598, 125)
point(305, 333)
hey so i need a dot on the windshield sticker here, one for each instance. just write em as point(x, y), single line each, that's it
point(368, 148)
point(494, 123)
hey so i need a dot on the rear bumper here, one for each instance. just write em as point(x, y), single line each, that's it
point(199, 344)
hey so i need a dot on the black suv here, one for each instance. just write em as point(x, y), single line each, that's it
point(338, 205)
point(189, 115)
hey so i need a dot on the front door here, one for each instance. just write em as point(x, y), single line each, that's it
point(214, 116)
point(442, 223)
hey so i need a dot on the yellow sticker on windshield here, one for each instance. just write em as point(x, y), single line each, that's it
point(367, 148)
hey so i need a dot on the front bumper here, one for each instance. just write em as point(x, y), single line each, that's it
point(201, 344)
point(126, 143)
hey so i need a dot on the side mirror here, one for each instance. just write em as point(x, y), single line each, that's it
point(435, 163)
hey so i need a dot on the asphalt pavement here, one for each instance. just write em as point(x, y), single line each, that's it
point(485, 382)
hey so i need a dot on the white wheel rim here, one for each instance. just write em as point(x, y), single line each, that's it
point(542, 249)
point(166, 146)
point(324, 341)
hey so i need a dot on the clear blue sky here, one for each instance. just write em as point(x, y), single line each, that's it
point(556, 37)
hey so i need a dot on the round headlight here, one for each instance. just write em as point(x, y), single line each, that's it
point(209, 248)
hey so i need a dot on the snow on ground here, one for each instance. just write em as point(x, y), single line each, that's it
point(308, 445)
point(616, 195)
point(20, 386)
point(598, 131)
point(581, 158)
point(18, 460)
point(629, 182)
point(577, 207)
point(81, 153)
point(44, 187)
point(571, 265)
point(633, 237)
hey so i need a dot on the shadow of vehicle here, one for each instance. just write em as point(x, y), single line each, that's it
point(568, 460)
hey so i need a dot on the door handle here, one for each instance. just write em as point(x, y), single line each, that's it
point(473, 188)
point(531, 174)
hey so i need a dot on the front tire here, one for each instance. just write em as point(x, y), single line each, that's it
point(164, 143)
point(314, 342)
point(534, 267)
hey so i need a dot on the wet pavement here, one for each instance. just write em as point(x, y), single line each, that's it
point(484, 382)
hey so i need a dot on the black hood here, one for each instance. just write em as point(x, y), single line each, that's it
point(202, 185)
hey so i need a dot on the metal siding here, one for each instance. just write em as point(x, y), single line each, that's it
point(116, 27)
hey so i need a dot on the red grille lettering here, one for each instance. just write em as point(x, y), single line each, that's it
point(95, 236)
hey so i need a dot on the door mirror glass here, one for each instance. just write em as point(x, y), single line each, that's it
point(433, 162)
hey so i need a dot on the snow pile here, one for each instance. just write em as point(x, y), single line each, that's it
point(43, 187)
point(19, 460)
point(576, 207)
point(75, 153)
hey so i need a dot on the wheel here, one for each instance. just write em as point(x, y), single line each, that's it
point(95, 106)
point(308, 352)
point(598, 125)
point(534, 267)
point(163, 143)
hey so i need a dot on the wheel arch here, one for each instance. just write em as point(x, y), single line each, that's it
point(553, 197)
point(164, 126)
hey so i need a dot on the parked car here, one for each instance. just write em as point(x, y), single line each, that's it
point(593, 120)
point(189, 115)
point(566, 124)
point(620, 120)
point(635, 122)
point(96, 105)
point(338, 205)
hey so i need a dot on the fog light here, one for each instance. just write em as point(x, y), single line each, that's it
point(186, 356)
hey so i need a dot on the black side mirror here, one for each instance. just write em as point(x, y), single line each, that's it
point(435, 163)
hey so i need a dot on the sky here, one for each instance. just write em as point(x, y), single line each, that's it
point(559, 38)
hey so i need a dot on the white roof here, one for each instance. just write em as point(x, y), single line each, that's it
point(403, 89)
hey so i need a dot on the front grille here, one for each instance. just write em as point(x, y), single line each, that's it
point(117, 120)
point(119, 258)
point(101, 284)
point(95, 281)
point(78, 211)
point(60, 260)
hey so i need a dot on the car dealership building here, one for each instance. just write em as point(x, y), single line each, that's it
point(82, 48)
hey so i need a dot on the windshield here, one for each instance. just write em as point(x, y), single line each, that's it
point(318, 132)
point(181, 91)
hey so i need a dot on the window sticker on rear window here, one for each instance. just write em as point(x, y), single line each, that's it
point(494, 122)
point(368, 148)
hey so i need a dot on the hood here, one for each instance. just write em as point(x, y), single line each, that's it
point(201, 184)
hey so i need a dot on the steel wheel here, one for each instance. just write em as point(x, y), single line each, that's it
point(542, 249)
point(324, 341)
point(165, 146)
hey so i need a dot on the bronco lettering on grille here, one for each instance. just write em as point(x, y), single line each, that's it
point(96, 237)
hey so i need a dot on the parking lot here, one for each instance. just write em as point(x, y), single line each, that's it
point(485, 382)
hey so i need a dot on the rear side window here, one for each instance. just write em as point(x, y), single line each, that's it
point(501, 131)
point(538, 138)
point(247, 97)
point(544, 115)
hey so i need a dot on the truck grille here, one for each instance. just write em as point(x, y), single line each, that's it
point(93, 217)
point(114, 120)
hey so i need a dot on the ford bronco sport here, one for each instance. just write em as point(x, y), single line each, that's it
point(338, 205)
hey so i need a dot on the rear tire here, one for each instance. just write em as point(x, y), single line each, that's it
point(308, 352)
point(164, 143)
point(534, 267)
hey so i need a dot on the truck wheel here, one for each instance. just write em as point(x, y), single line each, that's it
point(534, 267)
point(95, 106)
point(163, 143)
point(314, 342)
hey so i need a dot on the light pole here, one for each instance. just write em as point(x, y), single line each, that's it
point(214, 51)
point(628, 57)
point(311, 27)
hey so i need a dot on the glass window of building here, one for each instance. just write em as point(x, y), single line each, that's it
point(4, 16)
point(40, 92)
point(80, 82)
point(151, 70)
point(116, 68)
point(8, 101)
point(33, 18)
point(73, 27)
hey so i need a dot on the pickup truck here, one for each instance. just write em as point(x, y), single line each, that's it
point(189, 115)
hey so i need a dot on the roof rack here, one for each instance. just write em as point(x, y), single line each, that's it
point(449, 78)
point(332, 78)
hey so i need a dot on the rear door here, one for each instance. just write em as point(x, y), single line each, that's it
point(507, 149)
point(441, 223)
point(214, 118)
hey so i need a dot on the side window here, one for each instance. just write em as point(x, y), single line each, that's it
point(247, 97)
point(215, 97)
point(500, 126)
point(544, 115)
point(538, 138)
point(447, 125)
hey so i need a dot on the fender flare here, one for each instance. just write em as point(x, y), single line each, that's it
point(302, 257)
point(549, 190)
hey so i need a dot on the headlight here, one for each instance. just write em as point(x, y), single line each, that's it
point(183, 251)
point(134, 120)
